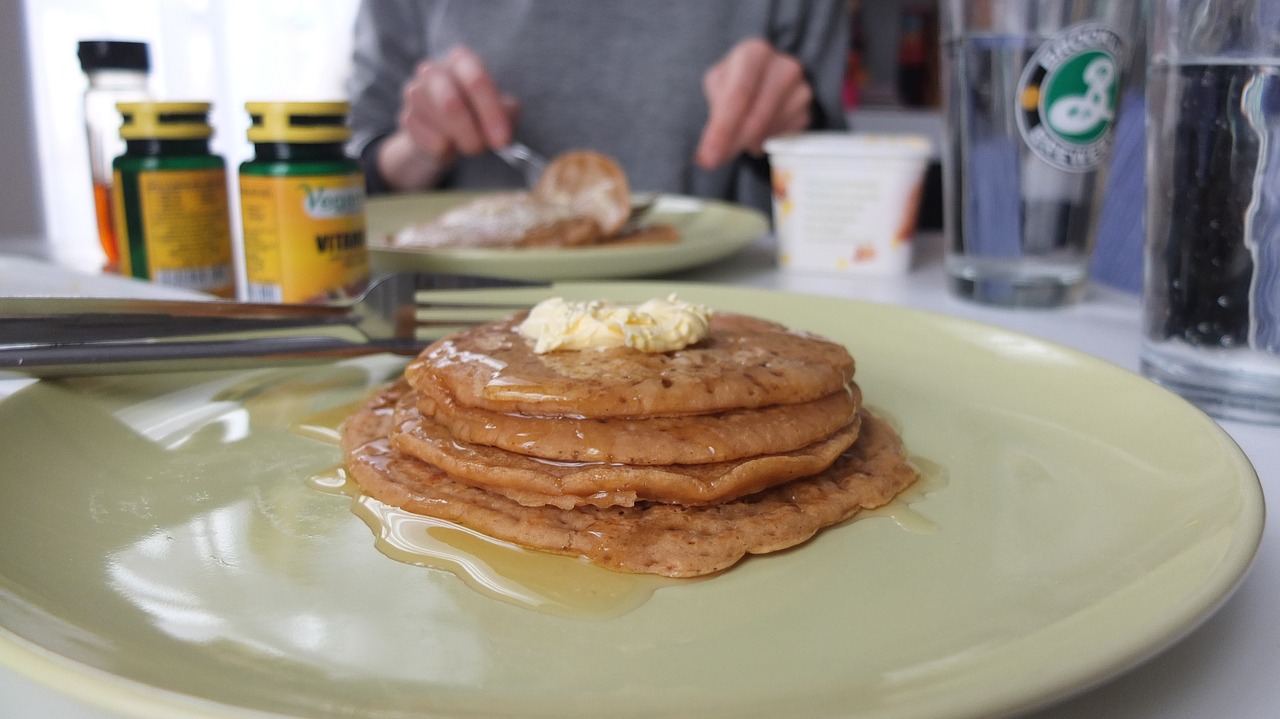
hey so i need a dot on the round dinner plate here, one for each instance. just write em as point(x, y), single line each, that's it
point(709, 231)
point(163, 554)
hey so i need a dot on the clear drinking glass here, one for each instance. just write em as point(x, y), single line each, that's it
point(1211, 284)
point(1032, 92)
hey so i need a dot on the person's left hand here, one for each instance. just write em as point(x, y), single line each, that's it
point(755, 92)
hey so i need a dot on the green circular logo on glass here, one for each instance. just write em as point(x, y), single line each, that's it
point(1068, 95)
point(1078, 100)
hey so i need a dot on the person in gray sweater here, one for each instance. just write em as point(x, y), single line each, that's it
point(682, 93)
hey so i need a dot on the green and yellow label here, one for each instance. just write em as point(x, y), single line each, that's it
point(182, 236)
point(304, 237)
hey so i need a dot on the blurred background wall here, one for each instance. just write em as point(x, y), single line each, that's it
point(20, 213)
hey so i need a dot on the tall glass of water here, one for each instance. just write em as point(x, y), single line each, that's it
point(1032, 93)
point(1211, 285)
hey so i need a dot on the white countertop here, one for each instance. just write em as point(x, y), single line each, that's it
point(1225, 668)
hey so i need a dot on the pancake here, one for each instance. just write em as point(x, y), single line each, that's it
point(591, 185)
point(687, 439)
point(582, 198)
point(533, 481)
point(672, 540)
point(658, 233)
point(505, 219)
point(745, 363)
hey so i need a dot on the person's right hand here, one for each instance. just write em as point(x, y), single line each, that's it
point(451, 108)
point(753, 93)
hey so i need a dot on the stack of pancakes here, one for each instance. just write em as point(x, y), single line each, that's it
point(676, 463)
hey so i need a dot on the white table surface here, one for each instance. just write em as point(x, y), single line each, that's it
point(1229, 667)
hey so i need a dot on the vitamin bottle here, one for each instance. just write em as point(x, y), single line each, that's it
point(302, 205)
point(171, 199)
point(117, 72)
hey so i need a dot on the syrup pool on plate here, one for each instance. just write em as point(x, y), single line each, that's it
point(564, 586)
point(933, 477)
point(550, 583)
point(555, 584)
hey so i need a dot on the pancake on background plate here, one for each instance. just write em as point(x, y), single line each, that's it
point(582, 199)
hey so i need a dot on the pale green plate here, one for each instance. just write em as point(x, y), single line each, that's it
point(709, 231)
point(161, 553)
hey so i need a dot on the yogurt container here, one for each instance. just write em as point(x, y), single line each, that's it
point(847, 202)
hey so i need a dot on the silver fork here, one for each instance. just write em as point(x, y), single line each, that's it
point(48, 337)
point(519, 156)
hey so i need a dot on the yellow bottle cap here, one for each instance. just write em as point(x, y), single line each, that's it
point(298, 121)
point(165, 120)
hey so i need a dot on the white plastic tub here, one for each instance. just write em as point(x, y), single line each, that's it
point(847, 202)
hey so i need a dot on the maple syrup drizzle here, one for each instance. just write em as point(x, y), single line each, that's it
point(550, 583)
point(933, 477)
point(554, 584)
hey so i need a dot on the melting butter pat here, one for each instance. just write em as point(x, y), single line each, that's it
point(657, 325)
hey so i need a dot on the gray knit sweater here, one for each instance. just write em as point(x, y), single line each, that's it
point(623, 77)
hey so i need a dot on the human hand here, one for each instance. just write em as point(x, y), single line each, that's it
point(755, 92)
point(452, 107)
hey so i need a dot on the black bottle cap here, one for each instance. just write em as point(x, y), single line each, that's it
point(113, 55)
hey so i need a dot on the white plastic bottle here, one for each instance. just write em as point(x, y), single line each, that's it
point(117, 71)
